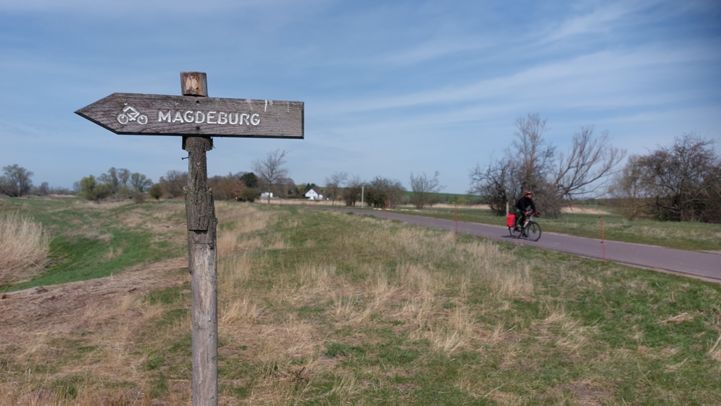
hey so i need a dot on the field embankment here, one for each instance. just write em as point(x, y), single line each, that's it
point(88, 240)
point(318, 307)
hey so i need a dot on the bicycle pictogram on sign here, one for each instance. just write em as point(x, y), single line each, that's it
point(131, 114)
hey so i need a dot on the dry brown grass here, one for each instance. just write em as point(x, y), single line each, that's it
point(715, 351)
point(78, 341)
point(415, 291)
point(562, 331)
point(23, 248)
point(584, 210)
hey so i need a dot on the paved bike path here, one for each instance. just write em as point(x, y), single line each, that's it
point(698, 264)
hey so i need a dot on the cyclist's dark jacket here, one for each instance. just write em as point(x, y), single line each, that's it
point(525, 203)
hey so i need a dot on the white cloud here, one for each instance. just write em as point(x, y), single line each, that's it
point(578, 79)
point(432, 49)
point(135, 6)
point(598, 20)
point(257, 14)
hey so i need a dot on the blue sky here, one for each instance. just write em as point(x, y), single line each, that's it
point(390, 87)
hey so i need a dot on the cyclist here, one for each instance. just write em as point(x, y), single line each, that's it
point(524, 205)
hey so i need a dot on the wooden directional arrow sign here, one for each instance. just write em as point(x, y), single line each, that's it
point(150, 114)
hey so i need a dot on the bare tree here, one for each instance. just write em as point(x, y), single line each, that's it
point(123, 177)
point(111, 178)
point(590, 160)
point(139, 182)
point(676, 183)
point(628, 189)
point(534, 165)
point(352, 192)
point(271, 171)
point(535, 157)
point(333, 185)
point(43, 189)
point(712, 206)
point(16, 180)
point(422, 187)
point(524, 167)
point(498, 183)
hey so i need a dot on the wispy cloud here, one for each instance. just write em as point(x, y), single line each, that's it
point(581, 77)
point(599, 20)
point(432, 50)
point(138, 6)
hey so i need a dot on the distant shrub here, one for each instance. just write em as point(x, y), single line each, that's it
point(92, 190)
point(23, 248)
point(173, 184)
point(248, 194)
point(156, 191)
point(384, 193)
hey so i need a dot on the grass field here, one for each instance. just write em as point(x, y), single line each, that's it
point(681, 235)
point(330, 308)
point(91, 241)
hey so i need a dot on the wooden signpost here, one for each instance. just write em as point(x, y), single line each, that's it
point(197, 117)
point(192, 114)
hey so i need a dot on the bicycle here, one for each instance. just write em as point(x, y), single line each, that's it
point(529, 230)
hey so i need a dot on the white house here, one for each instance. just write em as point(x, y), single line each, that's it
point(313, 195)
point(266, 195)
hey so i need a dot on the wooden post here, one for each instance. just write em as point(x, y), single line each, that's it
point(197, 117)
point(603, 238)
point(202, 256)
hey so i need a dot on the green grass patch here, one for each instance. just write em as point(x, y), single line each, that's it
point(154, 361)
point(335, 349)
point(90, 241)
point(167, 296)
point(67, 387)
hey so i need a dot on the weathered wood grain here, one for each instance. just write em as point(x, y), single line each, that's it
point(194, 115)
point(198, 199)
point(202, 258)
point(194, 84)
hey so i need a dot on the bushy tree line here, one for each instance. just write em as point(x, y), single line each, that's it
point(384, 193)
point(240, 186)
point(380, 192)
point(17, 181)
point(555, 177)
point(115, 182)
point(680, 183)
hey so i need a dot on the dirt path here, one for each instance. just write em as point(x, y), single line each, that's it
point(70, 307)
point(704, 265)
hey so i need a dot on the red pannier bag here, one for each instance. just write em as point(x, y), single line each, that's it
point(511, 220)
